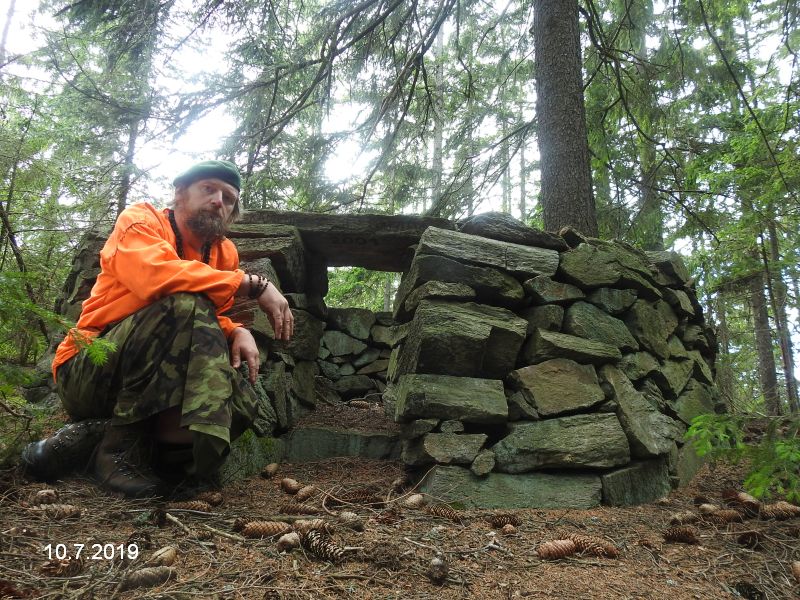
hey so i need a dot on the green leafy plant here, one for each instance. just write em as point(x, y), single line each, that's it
point(771, 447)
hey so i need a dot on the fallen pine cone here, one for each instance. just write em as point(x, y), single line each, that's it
point(45, 497)
point(438, 570)
point(700, 499)
point(684, 518)
point(197, 505)
point(304, 493)
point(213, 498)
point(362, 404)
point(414, 501)
point(148, 577)
point(724, 516)
point(388, 517)
point(780, 511)
point(648, 543)
point(707, 508)
point(321, 546)
point(500, 519)
point(306, 525)
point(508, 529)
point(239, 523)
point(594, 546)
point(289, 541)
point(796, 570)
point(556, 549)
point(682, 534)
point(60, 511)
point(444, 511)
point(163, 557)
point(298, 509)
point(290, 486)
point(269, 471)
point(259, 529)
point(789, 507)
point(351, 520)
point(62, 568)
point(740, 500)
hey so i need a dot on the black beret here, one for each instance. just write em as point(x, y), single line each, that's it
point(211, 169)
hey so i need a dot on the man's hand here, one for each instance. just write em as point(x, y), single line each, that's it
point(243, 348)
point(277, 309)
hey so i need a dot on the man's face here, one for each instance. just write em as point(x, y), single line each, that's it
point(207, 205)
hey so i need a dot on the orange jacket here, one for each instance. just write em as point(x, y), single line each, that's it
point(139, 264)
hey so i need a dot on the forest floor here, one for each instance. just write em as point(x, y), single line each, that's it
point(391, 557)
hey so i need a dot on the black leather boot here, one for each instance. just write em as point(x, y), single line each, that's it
point(123, 461)
point(68, 449)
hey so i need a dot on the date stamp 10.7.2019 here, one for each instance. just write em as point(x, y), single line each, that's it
point(92, 551)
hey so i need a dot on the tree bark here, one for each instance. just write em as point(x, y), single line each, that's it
point(777, 289)
point(438, 118)
point(523, 188)
point(566, 193)
point(6, 27)
point(766, 360)
point(724, 375)
point(128, 166)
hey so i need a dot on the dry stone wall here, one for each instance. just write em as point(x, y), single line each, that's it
point(563, 375)
point(526, 369)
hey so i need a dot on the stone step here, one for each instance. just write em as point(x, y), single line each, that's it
point(305, 444)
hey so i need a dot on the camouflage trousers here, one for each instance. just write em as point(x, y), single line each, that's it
point(170, 353)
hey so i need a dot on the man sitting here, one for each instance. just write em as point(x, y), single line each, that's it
point(171, 389)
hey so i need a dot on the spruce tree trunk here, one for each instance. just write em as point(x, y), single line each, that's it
point(438, 119)
point(766, 360)
point(724, 375)
point(778, 293)
point(128, 166)
point(523, 188)
point(566, 193)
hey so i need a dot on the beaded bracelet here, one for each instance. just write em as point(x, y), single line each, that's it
point(257, 286)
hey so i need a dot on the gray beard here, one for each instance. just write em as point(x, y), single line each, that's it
point(207, 226)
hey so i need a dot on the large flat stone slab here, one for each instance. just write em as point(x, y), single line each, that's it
point(558, 386)
point(684, 463)
point(544, 345)
point(638, 483)
point(652, 323)
point(491, 285)
point(467, 340)
point(460, 486)
point(377, 242)
point(464, 399)
point(577, 442)
point(649, 432)
point(589, 322)
point(523, 261)
point(504, 227)
point(355, 322)
point(305, 444)
point(444, 448)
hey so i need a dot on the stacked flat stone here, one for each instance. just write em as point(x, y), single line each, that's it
point(354, 353)
point(549, 375)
